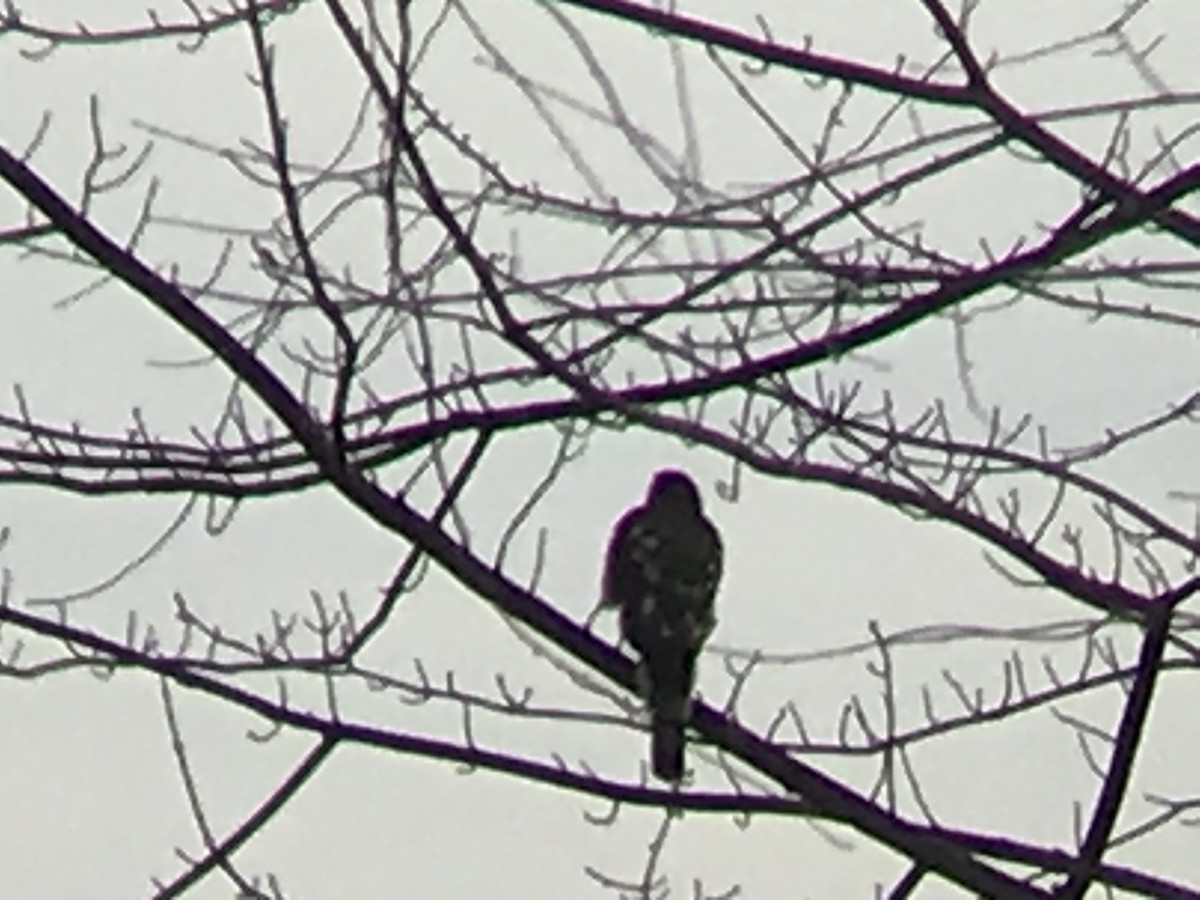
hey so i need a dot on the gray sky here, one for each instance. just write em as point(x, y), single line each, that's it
point(92, 791)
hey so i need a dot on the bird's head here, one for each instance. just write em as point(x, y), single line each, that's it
point(674, 489)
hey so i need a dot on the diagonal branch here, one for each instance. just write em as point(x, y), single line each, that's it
point(1120, 766)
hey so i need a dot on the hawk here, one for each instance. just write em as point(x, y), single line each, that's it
point(662, 570)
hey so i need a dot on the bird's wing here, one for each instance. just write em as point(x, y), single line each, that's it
point(619, 566)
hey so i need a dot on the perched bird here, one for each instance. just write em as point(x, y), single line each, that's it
point(662, 571)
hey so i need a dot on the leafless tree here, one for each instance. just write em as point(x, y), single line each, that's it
point(870, 275)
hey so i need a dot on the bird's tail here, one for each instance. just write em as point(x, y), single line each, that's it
point(669, 698)
point(666, 747)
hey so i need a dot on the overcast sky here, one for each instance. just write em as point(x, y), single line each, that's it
point(92, 795)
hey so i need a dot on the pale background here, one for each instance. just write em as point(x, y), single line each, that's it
point(92, 801)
